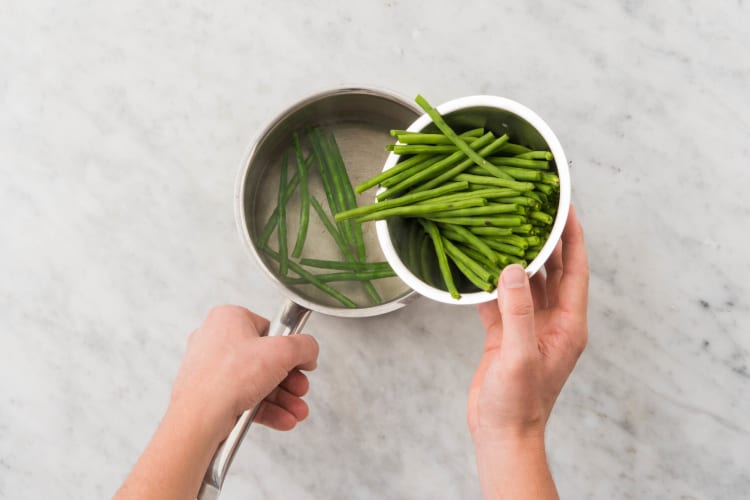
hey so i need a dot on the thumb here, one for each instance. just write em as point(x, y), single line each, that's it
point(292, 351)
point(517, 312)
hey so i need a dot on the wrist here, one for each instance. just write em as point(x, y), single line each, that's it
point(513, 464)
point(199, 424)
point(514, 440)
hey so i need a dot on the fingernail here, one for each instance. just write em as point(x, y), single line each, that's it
point(514, 276)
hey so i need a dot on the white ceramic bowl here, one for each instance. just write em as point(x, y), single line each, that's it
point(500, 115)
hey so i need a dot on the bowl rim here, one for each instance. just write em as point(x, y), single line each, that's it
point(505, 104)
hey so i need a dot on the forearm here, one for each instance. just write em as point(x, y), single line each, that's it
point(514, 467)
point(173, 464)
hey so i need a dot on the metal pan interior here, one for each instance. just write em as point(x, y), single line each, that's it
point(360, 120)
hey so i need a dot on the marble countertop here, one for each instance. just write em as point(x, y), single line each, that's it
point(121, 131)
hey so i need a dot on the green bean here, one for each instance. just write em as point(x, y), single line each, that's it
point(500, 221)
point(448, 131)
point(526, 200)
point(531, 254)
point(304, 214)
point(351, 201)
point(491, 209)
point(327, 164)
point(281, 203)
point(493, 267)
point(345, 276)
point(536, 155)
point(538, 196)
point(372, 292)
point(510, 239)
point(335, 183)
point(457, 255)
point(523, 229)
point(419, 209)
point(445, 271)
point(402, 166)
point(491, 231)
point(512, 259)
point(463, 235)
point(494, 181)
point(504, 247)
point(542, 217)
point(422, 138)
point(397, 168)
point(343, 246)
point(410, 149)
point(435, 169)
point(450, 174)
point(429, 163)
point(426, 251)
point(469, 267)
point(533, 241)
point(544, 188)
point(551, 179)
point(312, 279)
point(412, 246)
point(324, 172)
point(485, 192)
point(506, 260)
point(332, 229)
point(273, 220)
point(395, 179)
point(345, 265)
point(519, 174)
point(424, 196)
point(505, 161)
point(514, 149)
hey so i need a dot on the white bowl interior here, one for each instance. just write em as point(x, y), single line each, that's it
point(500, 115)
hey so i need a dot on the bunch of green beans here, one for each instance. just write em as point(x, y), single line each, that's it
point(323, 155)
point(474, 203)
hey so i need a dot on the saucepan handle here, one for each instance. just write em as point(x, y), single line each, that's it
point(290, 320)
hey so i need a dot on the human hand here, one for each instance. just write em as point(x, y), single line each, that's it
point(535, 333)
point(229, 367)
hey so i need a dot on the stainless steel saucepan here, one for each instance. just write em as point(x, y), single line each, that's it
point(360, 119)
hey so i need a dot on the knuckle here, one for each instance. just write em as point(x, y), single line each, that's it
point(310, 345)
point(278, 351)
point(577, 339)
point(519, 307)
point(224, 313)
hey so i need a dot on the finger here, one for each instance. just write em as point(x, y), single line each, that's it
point(296, 383)
point(554, 268)
point(574, 284)
point(539, 291)
point(275, 417)
point(261, 323)
point(237, 318)
point(489, 314)
point(517, 312)
point(288, 401)
point(298, 351)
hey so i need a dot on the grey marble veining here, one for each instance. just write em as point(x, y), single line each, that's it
point(121, 131)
